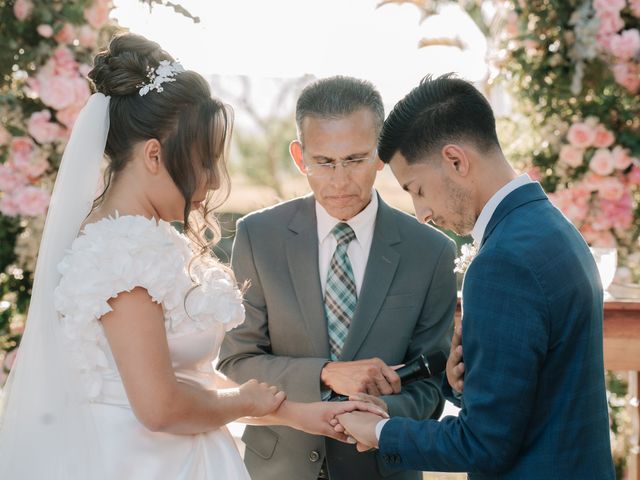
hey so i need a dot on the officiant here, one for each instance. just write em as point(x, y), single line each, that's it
point(342, 289)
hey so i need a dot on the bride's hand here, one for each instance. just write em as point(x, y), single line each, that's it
point(259, 399)
point(318, 418)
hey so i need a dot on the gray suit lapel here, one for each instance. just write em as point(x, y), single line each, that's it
point(302, 259)
point(381, 268)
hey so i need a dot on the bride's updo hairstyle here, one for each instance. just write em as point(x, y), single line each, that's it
point(192, 127)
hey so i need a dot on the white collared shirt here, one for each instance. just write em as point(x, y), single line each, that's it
point(362, 224)
point(490, 207)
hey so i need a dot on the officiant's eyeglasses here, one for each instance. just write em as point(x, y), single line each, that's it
point(321, 169)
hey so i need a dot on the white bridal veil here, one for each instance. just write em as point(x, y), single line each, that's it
point(46, 430)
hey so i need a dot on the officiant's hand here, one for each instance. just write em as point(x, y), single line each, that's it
point(455, 364)
point(371, 376)
point(360, 428)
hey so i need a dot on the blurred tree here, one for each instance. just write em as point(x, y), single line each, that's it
point(263, 147)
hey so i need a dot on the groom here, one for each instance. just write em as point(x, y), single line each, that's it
point(342, 287)
point(534, 404)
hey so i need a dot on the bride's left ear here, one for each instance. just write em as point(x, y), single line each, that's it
point(151, 150)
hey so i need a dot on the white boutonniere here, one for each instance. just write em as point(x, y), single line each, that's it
point(468, 251)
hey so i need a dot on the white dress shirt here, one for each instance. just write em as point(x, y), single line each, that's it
point(478, 231)
point(358, 251)
point(490, 207)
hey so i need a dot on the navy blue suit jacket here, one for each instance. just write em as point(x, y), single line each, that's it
point(534, 403)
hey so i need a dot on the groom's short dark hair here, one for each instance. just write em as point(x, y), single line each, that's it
point(443, 110)
point(335, 97)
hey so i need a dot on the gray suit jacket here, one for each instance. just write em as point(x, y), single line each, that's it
point(406, 307)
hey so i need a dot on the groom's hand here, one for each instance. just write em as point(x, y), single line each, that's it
point(371, 376)
point(455, 364)
point(360, 428)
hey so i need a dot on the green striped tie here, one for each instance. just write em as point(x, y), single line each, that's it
point(340, 296)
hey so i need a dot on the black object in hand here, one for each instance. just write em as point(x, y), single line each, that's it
point(418, 369)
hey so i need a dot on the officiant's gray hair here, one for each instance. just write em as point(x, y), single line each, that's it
point(335, 97)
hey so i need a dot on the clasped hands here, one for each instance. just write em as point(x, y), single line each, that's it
point(363, 381)
point(360, 427)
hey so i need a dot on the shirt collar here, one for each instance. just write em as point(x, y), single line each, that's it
point(490, 207)
point(360, 223)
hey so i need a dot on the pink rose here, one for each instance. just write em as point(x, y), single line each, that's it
point(69, 115)
point(81, 91)
point(603, 138)
point(600, 221)
point(634, 5)
point(64, 63)
point(98, 14)
point(581, 135)
point(626, 45)
point(571, 155)
point(9, 206)
point(5, 136)
point(32, 168)
point(66, 34)
point(619, 213)
point(10, 179)
point(31, 201)
point(611, 189)
point(576, 212)
point(608, 5)
point(633, 177)
point(572, 202)
point(603, 238)
point(45, 30)
point(627, 75)
point(42, 129)
point(602, 162)
point(621, 158)
point(57, 93)
point(591, 181)
point(22, 9)
point(609, 22)
point(21, 149)
point(603, 42)
point(84, 70)
point(87, 36)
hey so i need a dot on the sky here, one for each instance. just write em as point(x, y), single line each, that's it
point(290, 38)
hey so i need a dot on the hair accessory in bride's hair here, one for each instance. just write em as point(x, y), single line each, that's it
point(165, 72)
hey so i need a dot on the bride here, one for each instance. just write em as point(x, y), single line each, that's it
point(114, 378)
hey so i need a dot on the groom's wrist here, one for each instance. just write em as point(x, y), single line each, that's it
point(379, 426)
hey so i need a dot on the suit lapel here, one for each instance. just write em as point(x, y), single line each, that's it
point(302, 259)
point(530, 192)
point(381, 268)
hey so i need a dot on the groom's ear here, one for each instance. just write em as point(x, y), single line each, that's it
point(295, 150)
point(455, 158)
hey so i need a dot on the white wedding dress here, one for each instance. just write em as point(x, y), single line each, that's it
point(116, 255)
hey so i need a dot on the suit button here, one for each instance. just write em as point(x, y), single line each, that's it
point(386, 458)
point(314, 456)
